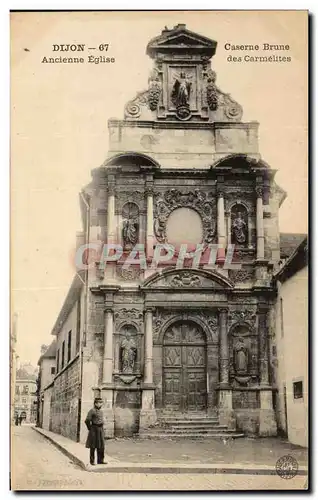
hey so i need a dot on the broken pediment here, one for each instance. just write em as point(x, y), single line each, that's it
point(184, 279)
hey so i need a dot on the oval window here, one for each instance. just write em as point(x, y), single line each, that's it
point(184, 226)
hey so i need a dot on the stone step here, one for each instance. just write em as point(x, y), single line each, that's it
point(196, 428)
point(215, 435)
point(186, 416)
point(188, 421)
point(207, 430)
point(175, 423)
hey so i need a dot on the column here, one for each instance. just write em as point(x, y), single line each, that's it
point(263, 346)
point(108, 348)
point(107, 391)
point(228, 218)
point(226, 414)
point(267, 425)
point(259, 223)
point(111, 210)
point(221, 224)
point(149, 228)
point(224, 349)
point(148, 414)
point(148, 371)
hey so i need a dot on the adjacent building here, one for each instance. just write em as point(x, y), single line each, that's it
point(13, 362)
point(47, 368)
point(25, 397)
point(292, 345)
point(172, 333)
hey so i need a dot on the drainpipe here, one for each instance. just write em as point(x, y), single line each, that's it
point(84, 334)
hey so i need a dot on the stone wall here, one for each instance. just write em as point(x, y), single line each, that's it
point(46, 408)
point(64, 402)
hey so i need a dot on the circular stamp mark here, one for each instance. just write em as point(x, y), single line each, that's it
point(287, 467)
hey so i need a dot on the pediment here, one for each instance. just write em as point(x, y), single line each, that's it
point(180, 38)
point(184, 39)
point(185, 279)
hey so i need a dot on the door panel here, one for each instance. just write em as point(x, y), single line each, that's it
point(184, 367)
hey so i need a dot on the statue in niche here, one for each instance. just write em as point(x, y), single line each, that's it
point(160, 227)
point(128, 354)
point(241, 357)
point(181, 91)
point(239, 229)
point(130, 225)
point(130, 232)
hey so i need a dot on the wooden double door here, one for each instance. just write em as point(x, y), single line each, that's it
point(184, 368)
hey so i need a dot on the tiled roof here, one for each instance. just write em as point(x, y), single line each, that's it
point(289, 242)
point(50, 352)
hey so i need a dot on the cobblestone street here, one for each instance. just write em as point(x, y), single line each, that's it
point(38, 465)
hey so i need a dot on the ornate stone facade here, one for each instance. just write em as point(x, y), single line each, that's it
point(189, 336)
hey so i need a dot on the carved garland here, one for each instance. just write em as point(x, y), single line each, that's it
point(211, 91)
point(155, 88)
point(198, 200)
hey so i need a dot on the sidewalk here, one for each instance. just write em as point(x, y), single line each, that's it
point(186, 463)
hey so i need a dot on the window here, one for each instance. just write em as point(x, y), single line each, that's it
point(58, 361)
point(63, 354)
point(25, 389)
point(78, 324)
point(17, 390)
point(298, 389)
point(52, 370)
point(281, 318)
point(69, 346)
point(24, 400)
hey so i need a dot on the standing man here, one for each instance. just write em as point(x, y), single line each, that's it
point(95, 439)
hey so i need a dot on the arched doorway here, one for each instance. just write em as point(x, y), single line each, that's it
point(184, 367)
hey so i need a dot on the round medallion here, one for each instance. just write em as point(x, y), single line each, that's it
point(287, 467)
point(183, 113)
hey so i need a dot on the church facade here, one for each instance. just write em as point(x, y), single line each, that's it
point(176, 316)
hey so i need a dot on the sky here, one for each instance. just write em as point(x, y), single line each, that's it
point(59, 130)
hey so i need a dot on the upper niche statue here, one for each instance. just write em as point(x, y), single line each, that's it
point(239, 229)
point(181, 91)
point(130, 232)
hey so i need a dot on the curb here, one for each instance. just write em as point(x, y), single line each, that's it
point(162, 468)
point(70, 455)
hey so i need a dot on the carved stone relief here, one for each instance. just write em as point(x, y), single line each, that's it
point(241, 275)
point(123, 315)
point(242, 316)
point(123, 197)
point(129, 274)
